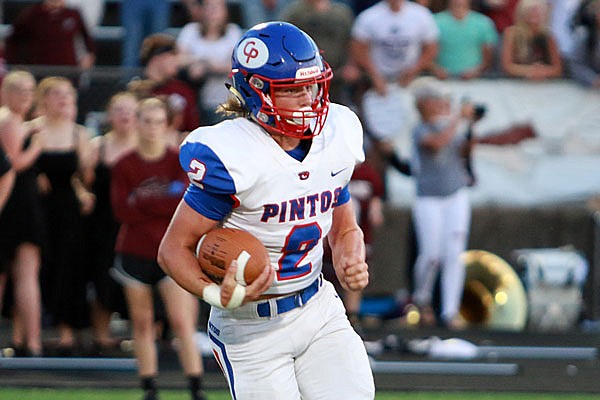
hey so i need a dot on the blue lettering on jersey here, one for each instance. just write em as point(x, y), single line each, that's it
point(296, 209)
point(305, 207)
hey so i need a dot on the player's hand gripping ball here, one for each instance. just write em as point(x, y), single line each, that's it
point(219, 247)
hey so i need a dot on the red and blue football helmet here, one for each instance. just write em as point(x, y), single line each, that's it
point(277, 55)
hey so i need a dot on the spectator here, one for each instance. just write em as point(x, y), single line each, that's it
point(584, 63)
point(101, 226)
point(21, 224)
point(562, 13)
point(161, 65)
point(141, 18)
point(146, 187)
point(257, 11)
point(393, 42)
point(45, 34)
point(92, 12)
point(529, 49)
point(205, 45)
point(467, 42)
point(441, 210)
point(61, 165)
point(388, 53)
point(502, 12)
point(329, 23)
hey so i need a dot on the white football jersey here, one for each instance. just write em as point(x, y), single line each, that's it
point(286, 203)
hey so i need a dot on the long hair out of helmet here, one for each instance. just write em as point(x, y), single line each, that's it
point(277, 55)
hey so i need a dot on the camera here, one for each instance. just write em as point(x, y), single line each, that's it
point(480, 110)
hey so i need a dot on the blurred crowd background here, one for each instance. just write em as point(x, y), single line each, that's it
point(530, 67)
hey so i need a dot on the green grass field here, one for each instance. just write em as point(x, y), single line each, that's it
point(110, 394)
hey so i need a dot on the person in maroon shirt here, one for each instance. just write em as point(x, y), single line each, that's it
point(146, 187)
point(46, 33)
point(502, 12)
point(161, 65)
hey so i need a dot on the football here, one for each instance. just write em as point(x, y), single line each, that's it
point(219, 247)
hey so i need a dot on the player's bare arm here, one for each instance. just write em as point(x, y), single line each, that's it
point(176, 256)
point(348, 249)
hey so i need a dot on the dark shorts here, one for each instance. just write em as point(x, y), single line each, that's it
point(131, 270)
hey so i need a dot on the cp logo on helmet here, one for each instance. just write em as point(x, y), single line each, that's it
point(252, 53)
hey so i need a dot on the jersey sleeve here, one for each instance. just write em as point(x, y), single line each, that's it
point(342, 197)
point(212, 189)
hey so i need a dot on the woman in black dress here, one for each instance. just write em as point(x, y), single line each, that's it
point(61, 165)
point(21, 229)
point(101, 226)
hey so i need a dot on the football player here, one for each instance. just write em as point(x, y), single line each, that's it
point(280, 169)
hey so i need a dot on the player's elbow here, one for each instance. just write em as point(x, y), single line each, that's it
point(162, 256)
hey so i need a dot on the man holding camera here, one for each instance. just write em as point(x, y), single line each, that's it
point(441, 211)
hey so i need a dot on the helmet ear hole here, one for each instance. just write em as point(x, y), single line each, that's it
point(257, 82)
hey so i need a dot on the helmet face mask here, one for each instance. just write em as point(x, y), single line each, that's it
point(273, 58)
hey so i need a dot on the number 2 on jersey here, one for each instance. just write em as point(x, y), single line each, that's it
point(300, 240)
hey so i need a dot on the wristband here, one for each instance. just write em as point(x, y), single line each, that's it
point(212, 295)
point(237, 297)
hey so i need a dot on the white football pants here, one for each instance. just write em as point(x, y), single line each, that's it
point(309, 353)
point(441, 226)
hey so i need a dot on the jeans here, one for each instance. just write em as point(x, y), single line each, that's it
point(141, 18)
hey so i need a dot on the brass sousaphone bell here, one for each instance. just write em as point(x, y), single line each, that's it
point(493, 296)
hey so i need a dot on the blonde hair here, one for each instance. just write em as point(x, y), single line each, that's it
point(524, 6)
point(152, 103)
point(118, 96)
point(234, 105)
point(50, 83)
point(523, 32)
point(13, 78)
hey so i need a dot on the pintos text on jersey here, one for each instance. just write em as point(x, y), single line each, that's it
point(301, 208)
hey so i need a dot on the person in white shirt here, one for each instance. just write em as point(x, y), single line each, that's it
point(205, 47)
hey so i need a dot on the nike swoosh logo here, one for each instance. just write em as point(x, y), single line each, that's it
point(334, 173)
